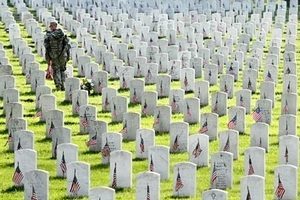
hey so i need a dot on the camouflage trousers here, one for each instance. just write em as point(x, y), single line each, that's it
point(59, 77)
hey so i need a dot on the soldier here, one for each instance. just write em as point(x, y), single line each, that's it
point(57, 53)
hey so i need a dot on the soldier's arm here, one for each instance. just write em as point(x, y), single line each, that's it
point(47, 47)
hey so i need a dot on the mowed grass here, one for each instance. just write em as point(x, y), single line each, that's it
point(99, 175)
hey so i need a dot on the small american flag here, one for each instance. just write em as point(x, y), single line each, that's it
point(124, 129)
point(188, 110)
point(114, 111)
point(105, 150)
point(70, 93)
point(260, 142)
point(286, 155)
point(142, 145)
point(139, 71)
point(33, 195)
point(241, 101)
point(232, 123)
point(269, 77)
point(185, 82)
point(215, 108)
point(249, 84)
point(51, 128)
point(213, 175)
point(251, 169)
point(39, 112)
point(209, 75)
point(175, 144)
point(19, 144)
point(92, 141)
point(124, 84)
point(179, 183)
point(285, 109)
point(9, 139)
point(151, 166)
point(174, 104)
point(161, 88)
point(75, 187)
point(144, 110)
point(63, 165)
point(227, 144)
point(257, 115)
point(134, 98)
point(84, 121)
point(225, 87)
point(156, 120)
point(100, 86)
point(55, 148)
point(149, 75)
point(288, 89)
point(18, 176)
point(197, 151)
point(204, 127)
point(248, 194)
point(280, 189)
point(106, 103)
point(10, 115)
point(77, 105)
point(114, 181)
point(148, 192)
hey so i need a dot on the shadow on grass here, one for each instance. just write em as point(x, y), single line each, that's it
point(94, 95)
point(139, 159)
point(10, 165)
point(29, 115)
point(130, 105)
point(127, 141)
point(237, 182)
point(65, 102)
point(71, 123)
point(72, 197)
point(5, 132)
point(123, 89)
point(177, 197)
point(45, 140)
point(72, 36)
point(90, 152)
point(39, 122)
point(28, 100)
point(57, 178)
point(161, 133)
point(188, 92)
point(8, 46)
point(113, 79)
point(100, 166)
point(114, 123)
point(29, 93)
point(13, 189)
point(103, 112)
point(274, 143)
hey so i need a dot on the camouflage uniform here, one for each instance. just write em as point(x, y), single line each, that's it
point(57, 51)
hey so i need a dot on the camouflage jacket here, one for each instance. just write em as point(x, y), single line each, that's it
point(57, 47)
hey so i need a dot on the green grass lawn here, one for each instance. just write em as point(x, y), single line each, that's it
point(100, 173)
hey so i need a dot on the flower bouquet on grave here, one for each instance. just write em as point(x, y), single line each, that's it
point(87, 85)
